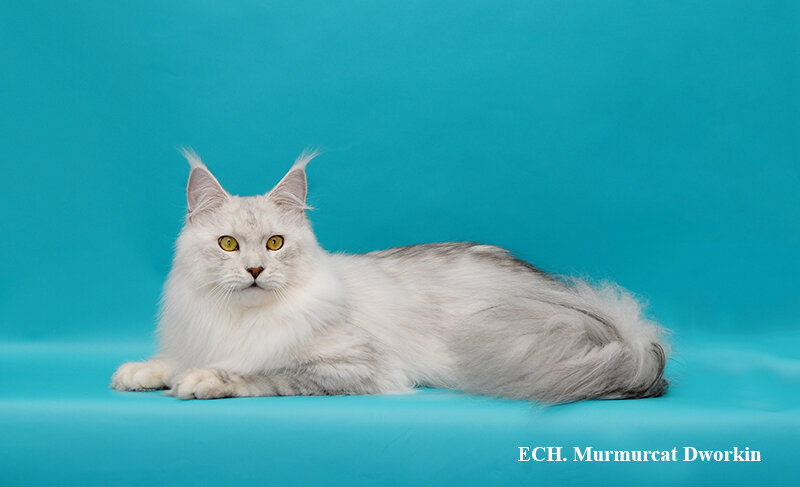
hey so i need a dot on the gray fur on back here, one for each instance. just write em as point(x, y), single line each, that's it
point(516, 331)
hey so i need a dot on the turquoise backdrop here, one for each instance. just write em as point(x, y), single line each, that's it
point(653, 143)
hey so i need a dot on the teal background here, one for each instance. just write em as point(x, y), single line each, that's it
point(652, 143)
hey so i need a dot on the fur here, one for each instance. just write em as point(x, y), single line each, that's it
point(451, 315)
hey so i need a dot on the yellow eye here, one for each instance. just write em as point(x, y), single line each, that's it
point(228, 243)
point(275, 242)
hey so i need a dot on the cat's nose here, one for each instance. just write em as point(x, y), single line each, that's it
point(255, 271)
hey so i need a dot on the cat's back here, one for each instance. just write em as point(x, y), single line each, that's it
point(449, 255)
point(467, 268)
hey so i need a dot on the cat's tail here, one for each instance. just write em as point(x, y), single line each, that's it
point(626, 353)
point(580, 342)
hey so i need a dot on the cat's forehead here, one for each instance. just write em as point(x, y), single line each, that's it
point(245, 214)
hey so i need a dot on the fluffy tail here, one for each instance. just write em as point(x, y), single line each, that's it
point(576, 342)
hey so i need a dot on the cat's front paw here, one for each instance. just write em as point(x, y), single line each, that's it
point(141, 376)
point(202, 384)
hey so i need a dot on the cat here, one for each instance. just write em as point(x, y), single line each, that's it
point(253, 306)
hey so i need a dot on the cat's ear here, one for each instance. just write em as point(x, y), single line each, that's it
point(203, 191)
point(291, 191)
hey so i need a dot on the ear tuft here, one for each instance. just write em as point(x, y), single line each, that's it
point(191, 157)
point(203, 191)
point(291, 191)
point(305, 157)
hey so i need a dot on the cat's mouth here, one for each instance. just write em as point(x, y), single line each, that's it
point(254, 286)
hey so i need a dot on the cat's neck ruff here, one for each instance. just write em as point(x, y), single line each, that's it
point(319, 289)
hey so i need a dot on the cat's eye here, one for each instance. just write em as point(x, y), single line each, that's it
point(228, 243)
point(275, 242)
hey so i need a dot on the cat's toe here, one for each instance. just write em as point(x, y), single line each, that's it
point(138, 376)
point(201, 384)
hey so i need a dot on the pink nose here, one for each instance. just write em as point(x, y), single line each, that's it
point(255, 271)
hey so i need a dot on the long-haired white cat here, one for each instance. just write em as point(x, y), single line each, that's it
point(254, 307)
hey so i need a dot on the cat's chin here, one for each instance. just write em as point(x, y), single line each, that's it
point(253, 296)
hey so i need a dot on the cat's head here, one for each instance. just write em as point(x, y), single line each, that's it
point(246, 250)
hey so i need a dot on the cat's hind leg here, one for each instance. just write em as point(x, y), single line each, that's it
point(151, 375)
